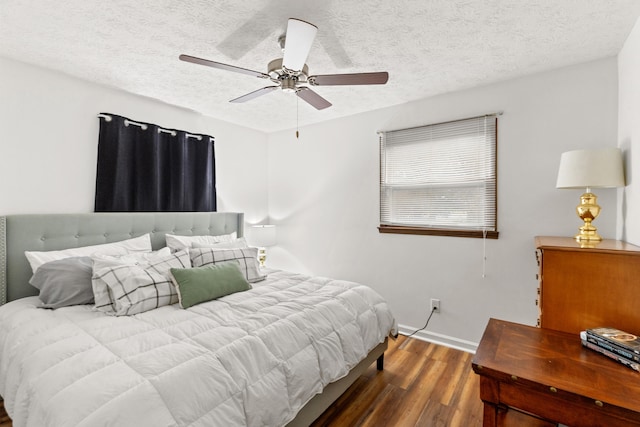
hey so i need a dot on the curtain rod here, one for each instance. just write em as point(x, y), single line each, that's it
point(497, 113)
point(144, 126)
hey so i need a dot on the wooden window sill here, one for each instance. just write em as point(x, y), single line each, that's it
point(397, 229)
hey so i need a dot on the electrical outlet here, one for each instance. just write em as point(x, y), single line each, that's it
point(435, 305)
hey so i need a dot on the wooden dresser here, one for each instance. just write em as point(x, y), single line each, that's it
point(582, 288)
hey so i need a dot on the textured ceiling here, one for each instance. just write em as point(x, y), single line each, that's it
point(427, 46)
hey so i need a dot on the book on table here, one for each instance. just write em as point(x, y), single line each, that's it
point(610, 346)
point(610, 354)
point(614, 343)
point(621, 339)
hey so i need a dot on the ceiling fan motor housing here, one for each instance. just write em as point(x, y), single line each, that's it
point(287, 79)
point(288, 84)
point(276, 70)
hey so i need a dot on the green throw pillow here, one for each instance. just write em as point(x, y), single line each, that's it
point(200, 284)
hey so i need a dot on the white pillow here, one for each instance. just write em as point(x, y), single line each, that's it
point(124, 289)
point(137, 244)
point(143, 259)
point(239, 243)
point(176, 242)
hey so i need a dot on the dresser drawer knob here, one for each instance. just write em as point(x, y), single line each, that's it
point(553, 389)
point(513, 377)
point(599, 403)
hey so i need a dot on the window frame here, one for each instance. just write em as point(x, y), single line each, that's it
point(443, 231)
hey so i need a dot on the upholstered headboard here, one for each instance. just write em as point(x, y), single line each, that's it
point(45, 232)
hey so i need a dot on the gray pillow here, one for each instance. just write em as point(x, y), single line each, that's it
point(64, 282)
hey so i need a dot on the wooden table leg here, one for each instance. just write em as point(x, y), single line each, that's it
point(490, 415)
point(490, 395)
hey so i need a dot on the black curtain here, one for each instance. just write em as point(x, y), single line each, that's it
point(145, 168)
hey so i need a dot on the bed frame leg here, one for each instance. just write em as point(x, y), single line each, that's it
point(380, 362)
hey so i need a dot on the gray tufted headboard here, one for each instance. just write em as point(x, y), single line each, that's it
point(45, 232)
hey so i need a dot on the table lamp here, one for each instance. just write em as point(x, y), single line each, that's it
point(599, 168)
point(263, 236)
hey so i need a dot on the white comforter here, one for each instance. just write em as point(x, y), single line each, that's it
point(249, 359)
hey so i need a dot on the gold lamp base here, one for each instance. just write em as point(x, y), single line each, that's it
point(262, 256)
point(588, 210)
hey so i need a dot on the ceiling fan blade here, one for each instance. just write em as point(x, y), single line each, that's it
point(254, 94)
point(297, 44)
point(248, 35)
point(350, 79)
point(221, 66)
point(313, 98)
point(333, 46)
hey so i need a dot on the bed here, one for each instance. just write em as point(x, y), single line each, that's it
point(276, 354)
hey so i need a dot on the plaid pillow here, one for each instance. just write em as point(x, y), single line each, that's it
point(125, 289)
point(246, 257)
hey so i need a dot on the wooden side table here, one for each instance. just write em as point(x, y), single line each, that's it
point(548, 377)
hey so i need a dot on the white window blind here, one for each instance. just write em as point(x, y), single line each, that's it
point(440, 176)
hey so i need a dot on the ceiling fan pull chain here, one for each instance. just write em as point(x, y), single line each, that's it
point(297, 117)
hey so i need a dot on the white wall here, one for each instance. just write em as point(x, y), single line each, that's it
point(49, 137)
point(323, 194)
point(323, 188)
point(629, 135)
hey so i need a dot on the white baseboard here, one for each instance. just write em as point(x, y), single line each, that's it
point(436, 338)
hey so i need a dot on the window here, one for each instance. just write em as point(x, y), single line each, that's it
point(440, 179)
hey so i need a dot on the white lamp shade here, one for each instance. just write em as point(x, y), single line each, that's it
point(601, 168)
point(263, 235)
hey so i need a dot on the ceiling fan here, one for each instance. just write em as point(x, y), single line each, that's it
point(290, 73)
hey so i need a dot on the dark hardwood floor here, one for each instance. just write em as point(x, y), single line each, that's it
point(422, 384)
